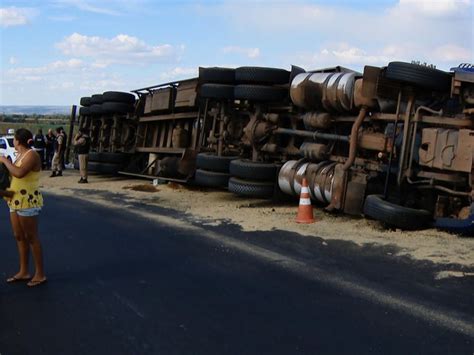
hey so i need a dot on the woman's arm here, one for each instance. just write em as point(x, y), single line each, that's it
point(29, 163)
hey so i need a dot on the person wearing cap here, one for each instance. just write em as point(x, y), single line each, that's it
point(82, 144)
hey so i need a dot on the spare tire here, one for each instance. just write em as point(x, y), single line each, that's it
point(261, 75)
point(85, 101)
point(117, 96)
point(217, 75)
point(260, 93)
point(247, 169)
point(424, 77)
point(395, 215)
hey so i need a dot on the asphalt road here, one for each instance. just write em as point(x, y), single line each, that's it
point(123, 284)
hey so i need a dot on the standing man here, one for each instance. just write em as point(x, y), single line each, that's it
point(59, 147)
point(82, 144)
point(63, 157)
point(50, 139)
point(39, 144)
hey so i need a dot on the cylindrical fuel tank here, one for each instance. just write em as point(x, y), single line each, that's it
point(330, 91)
point(320, 179)
point(314, 151)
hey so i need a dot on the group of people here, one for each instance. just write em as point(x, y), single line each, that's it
point(23, 196)
point(52, 148)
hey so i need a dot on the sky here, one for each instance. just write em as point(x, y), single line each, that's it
point(53, 52)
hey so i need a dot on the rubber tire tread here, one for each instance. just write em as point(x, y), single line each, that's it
point(117, 107)
point(217, 75)
point(213, 162)
point(84, 111)
point(211, 178)
point(96, 109)
point(250, 188)
point(108, 157)
point(428, 78)
point(260, 93)
point(217, 91)
point(262, 75)
point(85, 101)
point(118, 96)
point(395, 215)
point(247, 169)
point(103, 168)
point(96, 99)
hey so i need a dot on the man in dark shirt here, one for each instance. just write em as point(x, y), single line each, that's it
point(50, 141)
point(39, 144)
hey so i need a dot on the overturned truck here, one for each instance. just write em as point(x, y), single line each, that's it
point(394, 143)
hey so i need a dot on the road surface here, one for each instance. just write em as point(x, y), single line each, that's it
point(121, 282)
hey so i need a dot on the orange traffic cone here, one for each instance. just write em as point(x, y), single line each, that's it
point(305, 210)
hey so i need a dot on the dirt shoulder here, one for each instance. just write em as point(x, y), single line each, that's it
point(215, 207)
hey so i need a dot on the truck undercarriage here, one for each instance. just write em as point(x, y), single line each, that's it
point(393, 143)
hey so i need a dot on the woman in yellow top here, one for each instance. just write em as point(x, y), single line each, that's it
point(25, 205)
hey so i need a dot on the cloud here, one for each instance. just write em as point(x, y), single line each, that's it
point(123, 49)
point(431, 8)
point(406, 30)
point(180, 73)
point(12, 60)
point(54, 68)
point(452, 53)
point(16, 16)
point(90, 6)
point(251, 53)
point(106, 7)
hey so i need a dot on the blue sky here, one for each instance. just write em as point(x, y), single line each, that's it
point(54, 52)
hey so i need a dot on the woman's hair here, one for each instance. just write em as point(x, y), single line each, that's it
point(24, 137)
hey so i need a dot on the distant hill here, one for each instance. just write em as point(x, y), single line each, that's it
point(38, 110)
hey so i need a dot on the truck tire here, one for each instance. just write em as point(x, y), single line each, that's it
point(107, 157)
point(217, 91)
point(260, 93)
point(85, 101)
point(84, 111)
point(395, 215)
point(117, 96)
point(217, 75)
point(424, 77)
point(103, 168)
point(96, 109)
point(213, 162)
point(247, 169)
point(464, 227)
point(261, 75)
point(117, 107)
point(96, 99)
point(251, 188)
point(211, 178)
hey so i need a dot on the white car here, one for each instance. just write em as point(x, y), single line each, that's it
point(7, 148)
